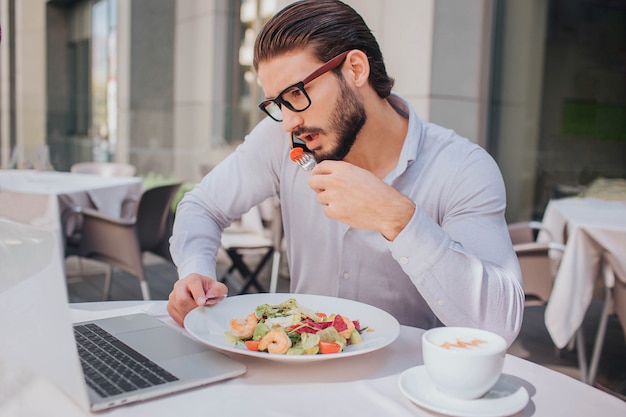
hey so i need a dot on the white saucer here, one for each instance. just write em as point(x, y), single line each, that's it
point(507, 397)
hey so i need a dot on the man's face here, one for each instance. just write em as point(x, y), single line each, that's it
point(330, 125)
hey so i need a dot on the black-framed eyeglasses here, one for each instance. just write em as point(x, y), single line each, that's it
point(295, 97)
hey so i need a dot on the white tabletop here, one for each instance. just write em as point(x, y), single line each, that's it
point(57, 182)
point(596, 232)
point(39, 198)
point(362, 385)
point(106, 193)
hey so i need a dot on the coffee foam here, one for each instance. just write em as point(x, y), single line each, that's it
point(474, 343)
point(465, 340)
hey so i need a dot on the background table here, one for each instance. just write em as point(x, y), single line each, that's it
point(594, 231)
point(39, 198)
point(362, 385)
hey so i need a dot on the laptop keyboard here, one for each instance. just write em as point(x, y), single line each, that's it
point(112, 367)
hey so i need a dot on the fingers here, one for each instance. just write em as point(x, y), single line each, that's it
point(196, 289)
point(215, 293)
point(326, 167)
point(333, 175)
point(193, 291)
point(177, 306)
point(319, 175)
point(174, 313)
point(213, 300)
point(217, 289)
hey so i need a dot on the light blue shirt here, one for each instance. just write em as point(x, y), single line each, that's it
point(454, 260)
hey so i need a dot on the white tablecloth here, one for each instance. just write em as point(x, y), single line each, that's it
point(38, 198)
point(357, 386)
point(593, 230)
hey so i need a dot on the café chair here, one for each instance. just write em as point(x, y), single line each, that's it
point(538, 261)
point(539, 264)
point(248, 239)
point(614, 303)
point(121, 243)
point(72, 219)
point(106, 169)
point(277, 241)
point(619, 303)
point(526, 231)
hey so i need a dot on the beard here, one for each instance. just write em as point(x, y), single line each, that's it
point(347, 120)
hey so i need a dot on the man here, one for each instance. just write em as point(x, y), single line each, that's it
point(398, 213)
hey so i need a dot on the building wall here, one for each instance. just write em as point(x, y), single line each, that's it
point(151, 86)
point(583, 109)
point(199, 36)
point(170, 92)
point(404, 29)
point(170, 98)
point(171, 80)
point(6, 86)
point(57, 79)
point(461, 66)
point(439, 54)
point(28, 82)
point(517, 101)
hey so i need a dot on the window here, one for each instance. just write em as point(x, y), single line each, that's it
point(243, 90)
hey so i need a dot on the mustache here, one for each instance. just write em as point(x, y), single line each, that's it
point(302, 131)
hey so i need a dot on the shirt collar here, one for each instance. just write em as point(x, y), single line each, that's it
point(408, 154)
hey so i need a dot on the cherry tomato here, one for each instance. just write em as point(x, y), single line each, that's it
point(326, 346)
point(252, 345)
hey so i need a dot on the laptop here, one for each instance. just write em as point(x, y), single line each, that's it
point(38, 334)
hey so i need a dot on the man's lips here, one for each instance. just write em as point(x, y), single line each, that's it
point(310, 140)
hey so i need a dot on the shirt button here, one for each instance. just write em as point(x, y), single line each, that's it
point(404, 260)
point(346, 276)
point(440, 302)
point(349, 232)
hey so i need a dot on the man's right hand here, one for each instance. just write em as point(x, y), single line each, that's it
point(192, 291)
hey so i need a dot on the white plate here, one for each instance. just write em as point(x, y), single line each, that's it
point(208, 324)
point(506, 398)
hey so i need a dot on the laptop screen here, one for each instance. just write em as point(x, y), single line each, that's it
point(37, 337)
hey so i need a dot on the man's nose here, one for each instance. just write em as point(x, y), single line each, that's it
point(291, 119)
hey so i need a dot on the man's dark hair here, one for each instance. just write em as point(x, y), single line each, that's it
point(326, 28)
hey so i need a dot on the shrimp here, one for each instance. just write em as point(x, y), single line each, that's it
point(275, 341)
point(244, 329)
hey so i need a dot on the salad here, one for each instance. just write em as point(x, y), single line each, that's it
point(292, 329)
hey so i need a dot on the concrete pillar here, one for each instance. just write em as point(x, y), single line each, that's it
point(27, 80)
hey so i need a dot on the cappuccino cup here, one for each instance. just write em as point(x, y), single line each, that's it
point(462, 362)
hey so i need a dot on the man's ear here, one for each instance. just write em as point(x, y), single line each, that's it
point(357, 67)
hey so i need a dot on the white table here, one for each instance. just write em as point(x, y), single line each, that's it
point(363, 385)
point(594, 232)
point(38, 198)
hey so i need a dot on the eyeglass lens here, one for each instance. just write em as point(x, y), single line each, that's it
point(295, 97)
